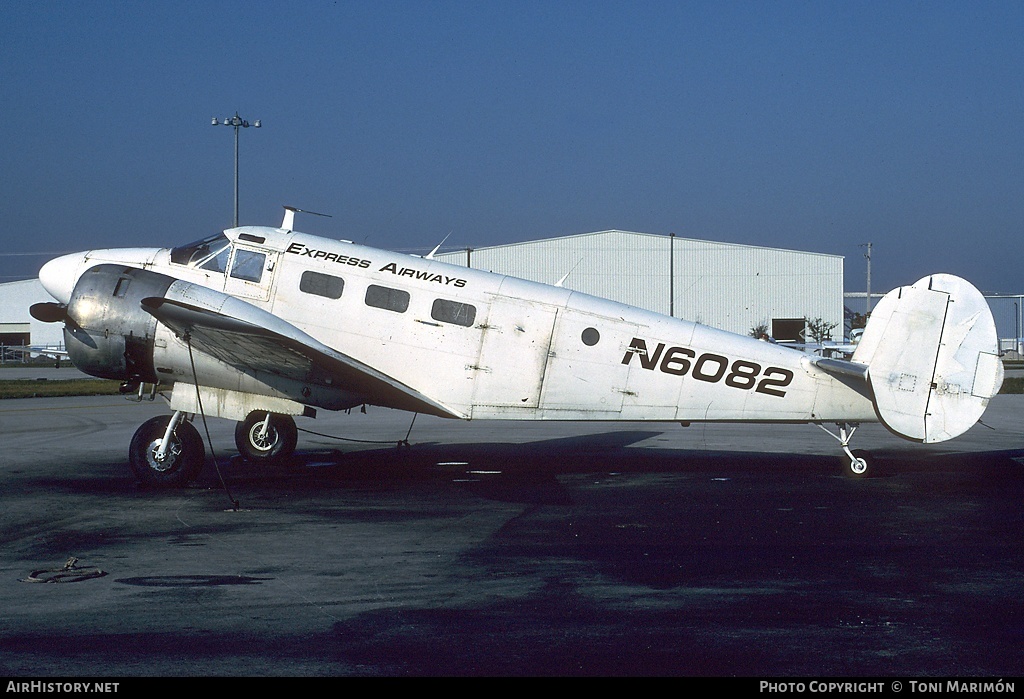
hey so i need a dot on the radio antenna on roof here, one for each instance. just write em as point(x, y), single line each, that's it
point(434, 251)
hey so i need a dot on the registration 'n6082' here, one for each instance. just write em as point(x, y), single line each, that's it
point(741, 374)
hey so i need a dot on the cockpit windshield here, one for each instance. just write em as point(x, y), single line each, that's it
point(209, 253)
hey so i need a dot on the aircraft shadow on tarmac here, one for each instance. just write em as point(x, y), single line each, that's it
point(529, 472)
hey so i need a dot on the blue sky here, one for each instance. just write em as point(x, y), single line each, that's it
point(805, 125)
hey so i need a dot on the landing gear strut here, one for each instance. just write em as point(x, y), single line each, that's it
point(858, 461)
point(266, 437)
point(166, 452)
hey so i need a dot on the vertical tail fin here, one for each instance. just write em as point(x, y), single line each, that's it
point(933, 358)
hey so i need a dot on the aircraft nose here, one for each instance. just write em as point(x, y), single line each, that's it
point(59, 275)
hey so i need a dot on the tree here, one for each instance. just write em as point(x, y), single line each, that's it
point(819, 330)
point(759, 330)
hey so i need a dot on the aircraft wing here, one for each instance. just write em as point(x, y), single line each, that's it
point(822, 349)
point(286, 351)
point(38, 349)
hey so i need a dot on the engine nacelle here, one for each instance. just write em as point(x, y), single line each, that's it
point(107, 333)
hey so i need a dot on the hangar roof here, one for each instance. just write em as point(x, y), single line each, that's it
point(614, 232)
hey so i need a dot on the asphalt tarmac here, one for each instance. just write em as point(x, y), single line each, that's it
point(510, 549)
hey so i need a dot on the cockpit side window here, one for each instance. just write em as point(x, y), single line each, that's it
point(217, 262)
point(248, 265)
point(210, 253)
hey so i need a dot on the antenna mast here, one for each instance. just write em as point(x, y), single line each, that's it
point(867, 256)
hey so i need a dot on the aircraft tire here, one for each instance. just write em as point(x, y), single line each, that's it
point(184, 459)
point(860, 467)
point(279, 443)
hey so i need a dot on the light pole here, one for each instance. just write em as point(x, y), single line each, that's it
point(238, 123)
point(867, 256)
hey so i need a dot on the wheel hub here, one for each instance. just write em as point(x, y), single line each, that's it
point(170, 456)
point(262, 442)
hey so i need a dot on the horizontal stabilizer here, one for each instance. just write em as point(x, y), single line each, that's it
point(933, 359)
point(842, 368)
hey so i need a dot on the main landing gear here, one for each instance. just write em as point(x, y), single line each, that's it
point(167, 451)
point(264, 437)
point(858, 462)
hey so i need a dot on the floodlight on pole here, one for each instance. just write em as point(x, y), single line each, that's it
point(239, 123)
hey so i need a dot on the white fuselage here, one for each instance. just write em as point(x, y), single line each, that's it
point(489, 346)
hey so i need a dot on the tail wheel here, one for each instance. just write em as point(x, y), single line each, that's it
point(182, 459)
point(860, 465)
point(261, 441)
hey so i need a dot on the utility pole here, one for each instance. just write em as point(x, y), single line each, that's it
point(672, 275)
point(867, 256)
point(238, 123)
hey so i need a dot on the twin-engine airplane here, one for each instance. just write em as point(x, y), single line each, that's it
point(260, 324)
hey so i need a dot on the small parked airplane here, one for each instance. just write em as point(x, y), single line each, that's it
point(259, 324)
point(54, 353)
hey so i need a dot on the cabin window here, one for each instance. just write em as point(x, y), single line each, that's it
point(453, 312)
point(248, 265)
point(322, 284)
point(389, 299)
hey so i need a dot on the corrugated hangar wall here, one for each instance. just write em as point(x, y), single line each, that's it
point(723, 285)
point(15, 299)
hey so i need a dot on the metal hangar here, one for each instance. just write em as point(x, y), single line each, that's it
point(723, 285)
